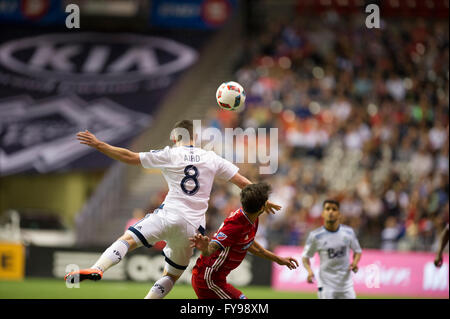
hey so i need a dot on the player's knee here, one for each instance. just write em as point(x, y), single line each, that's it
point(172, 276)
point(131, 242)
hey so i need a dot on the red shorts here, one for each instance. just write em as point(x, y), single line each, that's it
point(208, 286)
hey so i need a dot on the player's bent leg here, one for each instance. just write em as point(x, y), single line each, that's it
point(205, 293)
point(115, 253)
point(207, 286)
point(110, 257)
point(162, 286)
point(132, 244)
point(234, 292)
point(146, 232)
point(222, 289)
point(172, 272)
point(202, 288)
point(218, 286)
point(177, 254)
point(174, 277)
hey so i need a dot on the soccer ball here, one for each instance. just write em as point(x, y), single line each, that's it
point(230, 96)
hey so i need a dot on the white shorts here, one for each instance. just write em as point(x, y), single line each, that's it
point(329, 293)
point(172, 229)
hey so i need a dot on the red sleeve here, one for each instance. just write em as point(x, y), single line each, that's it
point(227, 235)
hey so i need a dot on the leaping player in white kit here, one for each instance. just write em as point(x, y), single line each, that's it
point(333, 242)
point(189, 172)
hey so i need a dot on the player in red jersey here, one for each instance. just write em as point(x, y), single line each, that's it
point(226, 250)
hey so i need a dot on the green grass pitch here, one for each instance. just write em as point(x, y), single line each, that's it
point(34, 288)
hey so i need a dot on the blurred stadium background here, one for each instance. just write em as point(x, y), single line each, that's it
point(362, 115)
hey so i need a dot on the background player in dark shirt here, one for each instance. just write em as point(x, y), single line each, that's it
point(229, 246)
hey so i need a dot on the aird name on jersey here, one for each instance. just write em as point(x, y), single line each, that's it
point(192, 158)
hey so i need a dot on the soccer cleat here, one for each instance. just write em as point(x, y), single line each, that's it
point(83, 274)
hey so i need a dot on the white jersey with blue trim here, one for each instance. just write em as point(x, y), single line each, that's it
point(334, 252)
point(189, 172)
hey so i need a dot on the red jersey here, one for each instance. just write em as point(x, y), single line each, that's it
point(234, 236)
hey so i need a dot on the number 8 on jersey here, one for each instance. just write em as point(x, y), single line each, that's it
point(188, 177)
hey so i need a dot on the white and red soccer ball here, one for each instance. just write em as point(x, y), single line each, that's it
point(230, 96)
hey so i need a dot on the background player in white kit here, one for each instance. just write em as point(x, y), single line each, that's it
point(189, 172)
point(333, 242)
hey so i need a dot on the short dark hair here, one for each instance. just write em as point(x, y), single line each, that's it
point(186, 124)
point(331, 201)
point(254, 197)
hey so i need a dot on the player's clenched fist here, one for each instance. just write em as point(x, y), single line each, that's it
point(438, 261)
point(310, 278)
point(88, 138)
point(353, 268)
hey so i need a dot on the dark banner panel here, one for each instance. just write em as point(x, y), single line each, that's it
point(43, 12)
point(145, 265)
point(55, 84)
point(58, 12)
point(195, 14)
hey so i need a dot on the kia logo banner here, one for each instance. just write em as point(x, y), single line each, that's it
point(53, 85)
point(111, 63)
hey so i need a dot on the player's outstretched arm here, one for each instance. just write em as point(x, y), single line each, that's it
point(117, 153)
point(307, 265)
point(204, 244)
point(240, 181)
point(442, 243)
point(258, 250)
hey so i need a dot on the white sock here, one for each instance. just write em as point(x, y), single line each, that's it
point(112, 256)
point(161, 288)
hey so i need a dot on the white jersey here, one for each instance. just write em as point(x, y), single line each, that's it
point(189, 172)
point(334, 253)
